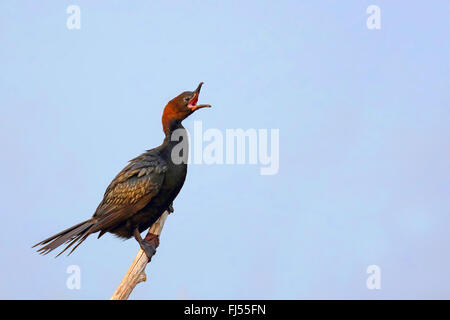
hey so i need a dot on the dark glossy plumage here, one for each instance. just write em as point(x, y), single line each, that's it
point(131, 191)
point(142, 191)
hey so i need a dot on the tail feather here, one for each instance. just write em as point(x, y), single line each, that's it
point(77, 233)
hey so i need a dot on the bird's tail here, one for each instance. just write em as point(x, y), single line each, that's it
point(77, 233)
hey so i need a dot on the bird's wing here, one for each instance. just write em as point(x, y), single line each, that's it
point(131, 190)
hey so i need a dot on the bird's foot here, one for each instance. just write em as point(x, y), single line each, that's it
point(170, 208)
point(149, 245)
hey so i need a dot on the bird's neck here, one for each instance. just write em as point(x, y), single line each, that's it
point(175, 134)
point(175, 129)
point(176, 137)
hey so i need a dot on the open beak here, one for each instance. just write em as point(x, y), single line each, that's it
point(193, 102)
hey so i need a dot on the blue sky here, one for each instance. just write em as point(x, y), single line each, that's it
point(364, 145)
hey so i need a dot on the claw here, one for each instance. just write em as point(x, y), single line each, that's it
point(149, 249)
point(148, 244)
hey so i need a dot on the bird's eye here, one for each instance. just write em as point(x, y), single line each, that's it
point(187, 99)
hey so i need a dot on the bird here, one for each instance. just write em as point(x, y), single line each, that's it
point(143, 190)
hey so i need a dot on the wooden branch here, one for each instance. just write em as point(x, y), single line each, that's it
point(136, 272)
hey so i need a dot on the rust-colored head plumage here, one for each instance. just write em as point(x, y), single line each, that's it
point(180, 107)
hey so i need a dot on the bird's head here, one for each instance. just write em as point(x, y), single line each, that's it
point(181, 107)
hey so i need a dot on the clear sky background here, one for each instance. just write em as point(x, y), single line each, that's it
point(364, 145)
